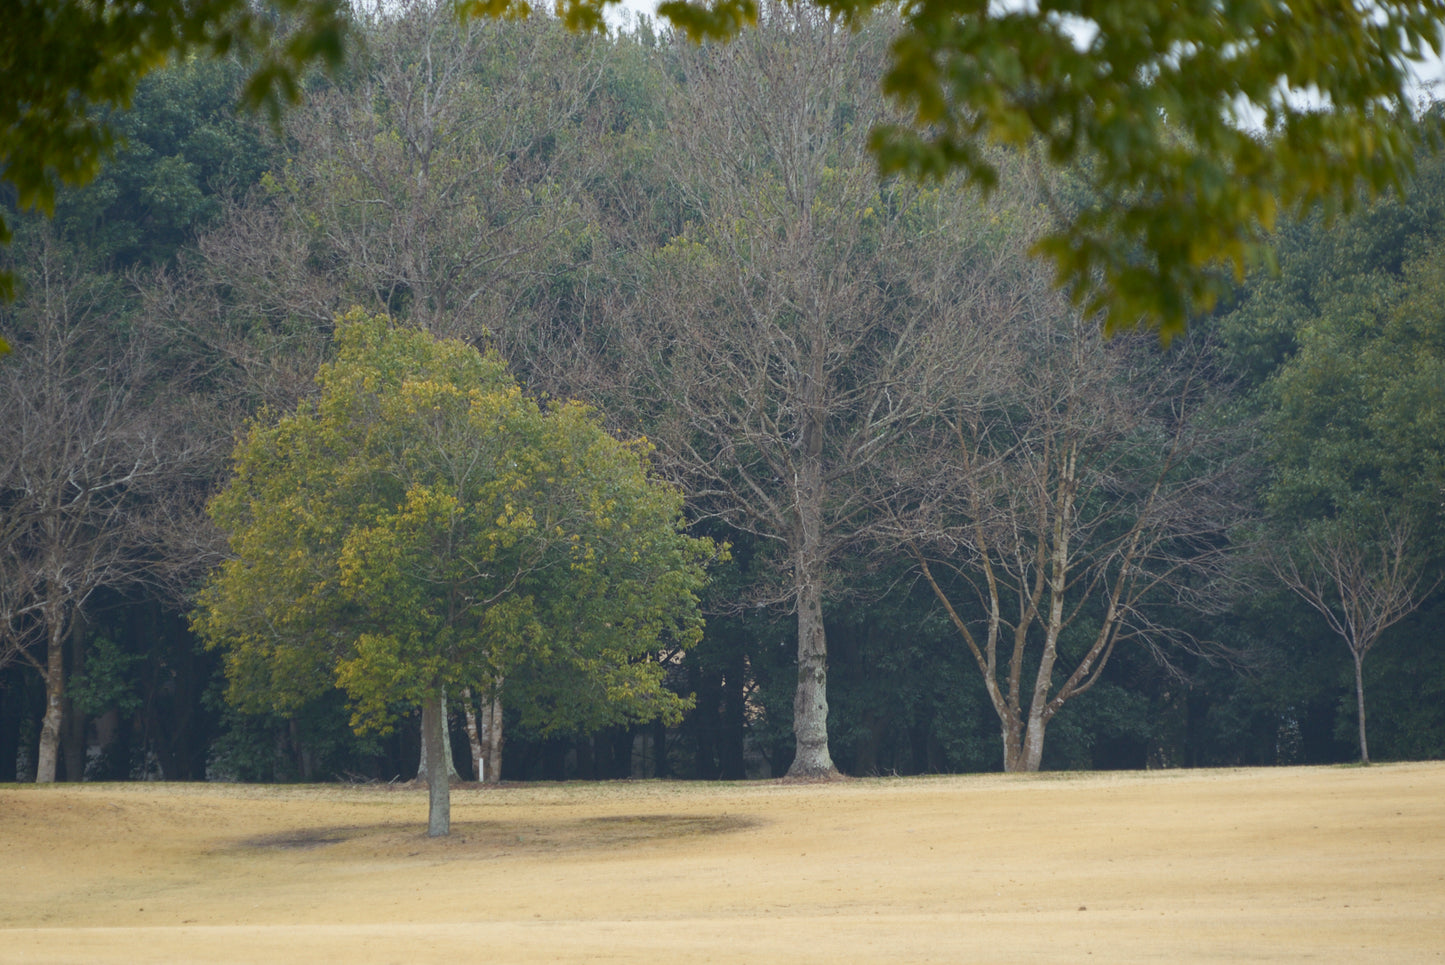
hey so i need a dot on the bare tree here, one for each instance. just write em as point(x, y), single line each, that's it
point(91, 458)
point(1362, 581)
point(431, 182)
point(1053, 505)
point(434, 182)
point(780, 346)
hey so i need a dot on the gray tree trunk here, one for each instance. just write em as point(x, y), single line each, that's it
point(1012, 743)
point(423, 769)
point(439, 801)
point(810, 701)
point(474, 737)
point(492, 741)
point(1360, 704)
point(484, 733)
point(48, 753)
point(1033, 752)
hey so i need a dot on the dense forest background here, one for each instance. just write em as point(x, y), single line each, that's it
point(919, 453)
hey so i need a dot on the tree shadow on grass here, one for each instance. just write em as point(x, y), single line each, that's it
point(498, 838)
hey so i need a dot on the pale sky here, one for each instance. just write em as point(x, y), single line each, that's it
point(648, 7)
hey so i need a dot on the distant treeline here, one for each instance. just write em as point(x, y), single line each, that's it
point(967, 532)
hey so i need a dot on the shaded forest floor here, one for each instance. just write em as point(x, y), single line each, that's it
point(1333, 864)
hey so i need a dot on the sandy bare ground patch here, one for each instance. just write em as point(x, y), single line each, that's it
point(1313, 864)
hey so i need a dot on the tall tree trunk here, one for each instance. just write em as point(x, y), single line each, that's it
point(1038, 718)
point(810, 700)
point(48, 754)
point(484, 732)
point(72, 728)
point(492, 739)
point(433, 731)
point(1360, 704)
point(1039, 710)
point(474, 738)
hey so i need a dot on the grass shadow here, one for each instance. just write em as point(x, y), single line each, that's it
point(496, 838)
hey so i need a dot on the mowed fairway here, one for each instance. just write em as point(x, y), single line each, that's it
point(1316, 864)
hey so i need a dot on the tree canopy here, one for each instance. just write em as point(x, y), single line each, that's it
point(1347, 346)
point(68, 63)
point(1194, 124)
point(423, 527)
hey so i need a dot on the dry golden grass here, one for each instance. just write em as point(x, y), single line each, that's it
point(1317, 864)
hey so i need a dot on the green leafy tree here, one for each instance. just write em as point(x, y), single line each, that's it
point(423, 528)
point(183, 151)
point(1346, 351)
point(1357, 414)
point(65, 61)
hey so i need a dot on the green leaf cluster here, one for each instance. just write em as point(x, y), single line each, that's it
point(1197, 124)
point(422, 527)
point(182, 151)
point(106, 681)
point(1347, 350)
point(64, 61)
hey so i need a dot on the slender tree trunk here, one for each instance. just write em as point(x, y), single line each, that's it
point(1033, 747)
point(433, 730)
point(447, 756)
point(810, 701)
point(492, 740)
point(48, 754)
point(72, 731)
point(1039, 713)
point(484, 732)
point(474, 738)
point(1360, 705)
